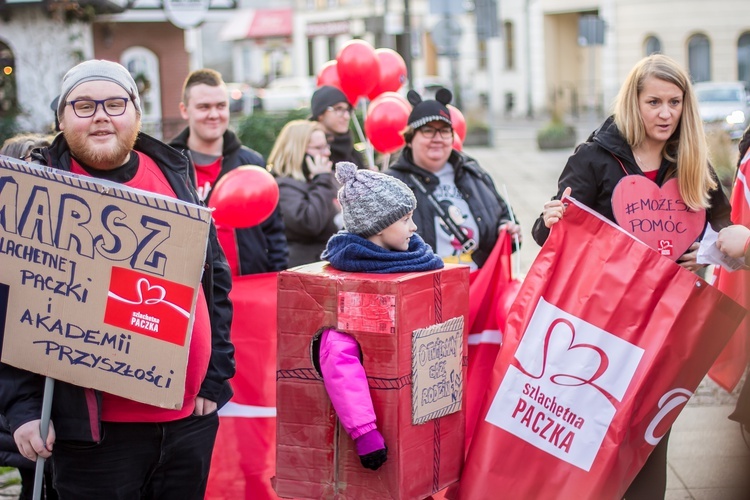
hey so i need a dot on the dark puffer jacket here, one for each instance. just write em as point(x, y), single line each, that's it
point(309, 209)
point(342, 149)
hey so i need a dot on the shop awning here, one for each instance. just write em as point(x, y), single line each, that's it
point(265, 23)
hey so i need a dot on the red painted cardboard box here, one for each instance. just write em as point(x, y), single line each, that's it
point(315, 457)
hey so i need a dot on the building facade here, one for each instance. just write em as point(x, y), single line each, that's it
point(546, 66)
point(37, 47)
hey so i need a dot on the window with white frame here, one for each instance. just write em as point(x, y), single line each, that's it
point(143, 65)
point(699, 58)
point(509, 36)
point(743, 58)
point(652, 46)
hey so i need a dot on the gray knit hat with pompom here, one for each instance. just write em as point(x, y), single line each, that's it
point(371, 201)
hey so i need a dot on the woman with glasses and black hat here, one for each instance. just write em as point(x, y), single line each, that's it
point(440, 175)
point(331, 108)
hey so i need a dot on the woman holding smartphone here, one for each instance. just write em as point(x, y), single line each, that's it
point(300, 160)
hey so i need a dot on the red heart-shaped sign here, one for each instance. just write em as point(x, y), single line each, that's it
point(657, 216)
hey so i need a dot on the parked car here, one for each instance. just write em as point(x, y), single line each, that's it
point(724, 104)
point(287, 93)
point(427, 86)
point(242, 98)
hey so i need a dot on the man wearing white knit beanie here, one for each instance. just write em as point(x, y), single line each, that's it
point(106, 446)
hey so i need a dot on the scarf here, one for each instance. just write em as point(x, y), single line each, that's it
point(350, 252)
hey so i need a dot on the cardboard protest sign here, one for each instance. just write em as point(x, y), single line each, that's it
point(437, 372)
point(101, 281)
point(657, 216)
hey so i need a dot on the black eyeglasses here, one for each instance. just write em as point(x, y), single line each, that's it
point(86, 108)
point(429, 132)
point(340, 110)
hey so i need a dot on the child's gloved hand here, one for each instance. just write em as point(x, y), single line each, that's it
point(371, 449)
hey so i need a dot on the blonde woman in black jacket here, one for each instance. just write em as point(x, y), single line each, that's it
point(300, 160)
point(655, 132)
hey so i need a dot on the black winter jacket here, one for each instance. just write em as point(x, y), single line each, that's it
point(76, 411)
point(342, 149)
point(9, 454)
point(489, 210)
point(308, 209)
point(592, 172)
point(261, 248)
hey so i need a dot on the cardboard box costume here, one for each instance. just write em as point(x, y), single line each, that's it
point(411, 330)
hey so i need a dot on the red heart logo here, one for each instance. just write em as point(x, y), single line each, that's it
point(149, 294)
point(657, 216)
point(572, 363)
point(566, 361)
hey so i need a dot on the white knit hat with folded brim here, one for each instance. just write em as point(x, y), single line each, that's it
point(98, 70)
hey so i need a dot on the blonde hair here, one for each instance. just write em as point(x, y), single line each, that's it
point(288, 151)
point(687, 147)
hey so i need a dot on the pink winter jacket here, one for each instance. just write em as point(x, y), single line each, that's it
point(346, 382)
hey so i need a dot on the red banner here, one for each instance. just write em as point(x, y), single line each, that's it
point(244, 456)
point(605, 343)
point(491, 293)
point(730, 365)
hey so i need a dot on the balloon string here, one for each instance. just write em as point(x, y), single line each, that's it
point(515, 236)
point(368, 147)
point(386, 161)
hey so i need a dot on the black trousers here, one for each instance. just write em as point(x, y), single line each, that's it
point(148, 461)
point(651, 481)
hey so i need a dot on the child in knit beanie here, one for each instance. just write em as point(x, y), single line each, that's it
point(378, 237)
point(379, 234)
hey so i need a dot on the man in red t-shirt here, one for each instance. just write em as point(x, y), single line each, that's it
point(106, 446)
point(215, 150)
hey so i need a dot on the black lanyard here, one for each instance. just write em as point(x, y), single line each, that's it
point(467, 244)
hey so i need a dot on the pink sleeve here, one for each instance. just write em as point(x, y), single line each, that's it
point(346, 382)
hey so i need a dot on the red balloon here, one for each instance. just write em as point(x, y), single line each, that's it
point(392, 72)
point(244, 197)
point(458, 144)
point(390, 96)
point(458, 121)
point(358, 68)
point(385, 121)
point(329, 75)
